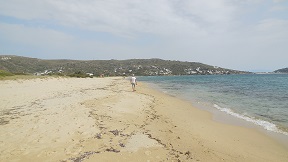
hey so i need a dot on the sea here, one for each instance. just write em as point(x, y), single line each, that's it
point(260, 99)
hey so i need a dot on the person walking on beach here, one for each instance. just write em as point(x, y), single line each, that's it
point(133, 82)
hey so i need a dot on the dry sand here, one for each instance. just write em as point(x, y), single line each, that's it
point(101, 119)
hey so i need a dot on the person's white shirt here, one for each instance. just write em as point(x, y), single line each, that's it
point(133, 79)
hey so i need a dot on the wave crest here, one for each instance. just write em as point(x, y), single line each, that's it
point(265, 124)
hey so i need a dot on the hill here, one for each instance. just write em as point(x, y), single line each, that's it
point(18, 64)
point(284, 70)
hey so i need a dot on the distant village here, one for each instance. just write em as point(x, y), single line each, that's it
point(147, 71)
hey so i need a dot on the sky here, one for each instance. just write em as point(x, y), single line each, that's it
point(250, 35)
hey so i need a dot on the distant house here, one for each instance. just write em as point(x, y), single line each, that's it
point(90, 74)
point(6, 58)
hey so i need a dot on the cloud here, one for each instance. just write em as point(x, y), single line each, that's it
point(279, 8)
point(27, 10)
point(34, 41)
point(33, 36)
point(209, 31)
point(279, 1)
point(127, 17)
point(273, 29)
point(130, 17)
point(209, 11)
point(123, 17)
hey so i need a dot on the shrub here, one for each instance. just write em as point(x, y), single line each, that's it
point(4, 73)
point(79, 75)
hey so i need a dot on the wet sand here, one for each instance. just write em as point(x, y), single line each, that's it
point(101, 119)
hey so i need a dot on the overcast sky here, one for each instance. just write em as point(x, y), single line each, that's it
point(238, 34)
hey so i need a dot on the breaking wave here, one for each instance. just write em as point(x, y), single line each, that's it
point(265, 124)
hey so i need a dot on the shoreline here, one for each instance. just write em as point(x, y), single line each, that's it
point(72, 119)
point(225, 118)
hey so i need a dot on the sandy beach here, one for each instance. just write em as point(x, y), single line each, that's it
point(101, 119)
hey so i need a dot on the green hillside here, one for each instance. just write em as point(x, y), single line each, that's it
point(17, 64)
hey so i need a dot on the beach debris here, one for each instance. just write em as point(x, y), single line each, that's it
point(187, 153)
point(4, 121)
point(115, 132)
point(101, 127)
point(158, 140)
point(98, 136)
point(124, 135)
point(121, 144)
point(84, 156)
point(111, 149)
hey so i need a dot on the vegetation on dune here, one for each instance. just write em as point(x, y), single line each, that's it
point(80, 74)
point(4, 73)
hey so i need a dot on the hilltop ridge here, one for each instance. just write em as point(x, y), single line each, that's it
point(283, 70)
point(150, 67)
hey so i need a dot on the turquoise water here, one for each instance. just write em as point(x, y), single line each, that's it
point(260, 99)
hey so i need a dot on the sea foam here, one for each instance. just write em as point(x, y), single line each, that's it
point(265, 124)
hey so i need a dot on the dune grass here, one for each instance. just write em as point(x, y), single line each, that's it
point(5, 75)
